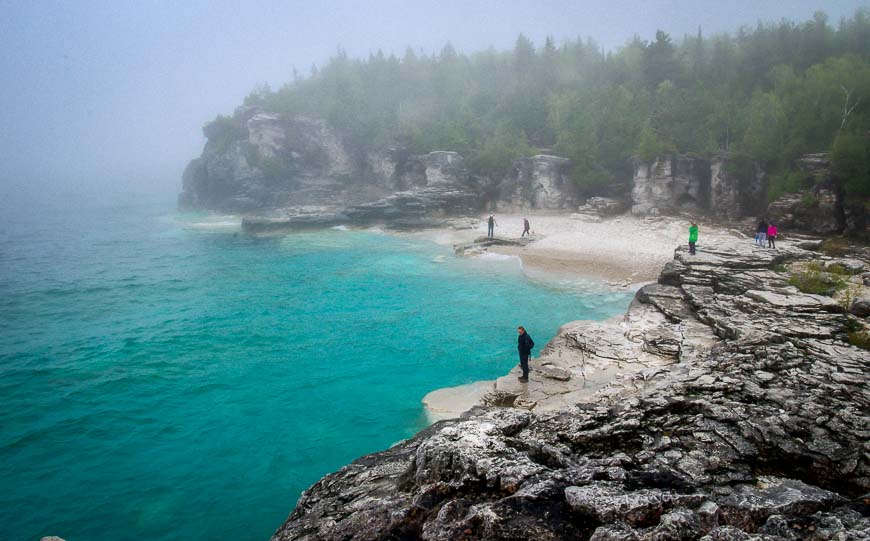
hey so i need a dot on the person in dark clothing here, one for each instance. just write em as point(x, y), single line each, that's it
point(490, 226)
point(524, 346)
point(761, 232)
point(525, 227)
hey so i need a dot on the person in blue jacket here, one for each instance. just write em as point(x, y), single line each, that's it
point(524, 346)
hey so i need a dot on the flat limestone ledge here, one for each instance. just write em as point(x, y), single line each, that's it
point(592, 361)
point(480, 244)
point(451, 402)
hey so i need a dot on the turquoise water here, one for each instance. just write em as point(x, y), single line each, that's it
point(164, 377)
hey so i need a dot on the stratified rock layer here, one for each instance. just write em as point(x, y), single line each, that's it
point(670, 183)
point(739, 413)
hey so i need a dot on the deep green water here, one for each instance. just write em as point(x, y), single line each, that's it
point(162, 377)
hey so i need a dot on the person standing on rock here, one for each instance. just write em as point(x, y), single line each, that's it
point(524, 346)
point(526, 227)
point(490, 226)
point(761, 232)
point(771, 235)
point(693, 237)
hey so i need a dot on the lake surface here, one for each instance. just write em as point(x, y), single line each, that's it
point(164, 377)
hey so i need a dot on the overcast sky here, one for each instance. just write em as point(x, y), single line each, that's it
point(115, 93)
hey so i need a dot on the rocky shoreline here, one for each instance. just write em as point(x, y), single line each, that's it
point(729, 405)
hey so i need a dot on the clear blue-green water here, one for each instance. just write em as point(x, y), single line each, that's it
point(164, 377)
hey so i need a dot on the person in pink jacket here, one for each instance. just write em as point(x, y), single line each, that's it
point(771, 235)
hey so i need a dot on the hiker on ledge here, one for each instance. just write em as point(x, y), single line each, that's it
point(525, 227)
point(771, 235)
point(490, 226)
point(761, 232)
point(524, 346)
point(693, 238)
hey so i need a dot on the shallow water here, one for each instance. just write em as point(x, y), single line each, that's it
point(164, 377)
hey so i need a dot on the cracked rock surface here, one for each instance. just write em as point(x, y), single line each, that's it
point(732, 409)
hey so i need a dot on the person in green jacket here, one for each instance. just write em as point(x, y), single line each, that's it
point(693, 237)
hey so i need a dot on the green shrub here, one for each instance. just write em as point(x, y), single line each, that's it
point(222, 131)
point(834, 247)
point(851, 162)
point(860, 339)
point(816, 281)
point(837, 269)
point(784, 182)
point(809, 200)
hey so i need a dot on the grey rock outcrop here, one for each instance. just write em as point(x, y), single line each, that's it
point(669, 184)
point(732, 194)
point(439, 189)
point(602, 206)
point(818, 208)
point(255, 160)
point(538, 182)
point(735, 411)
point(815, 212)
point(258, 162)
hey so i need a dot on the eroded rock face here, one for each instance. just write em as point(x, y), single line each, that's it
point(734, 193)
point(278, 169)
point(439, 188)
point(602, 206)
point(819, 207)
point(670, 183)
point(738, 412)
point(813, 211)
point(539, 182)
point(256, 160)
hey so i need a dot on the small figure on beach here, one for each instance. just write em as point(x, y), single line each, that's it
point(524, 346)
point(490, 226)
point(761, 232)
point(693, 237)
point(526, 227)
point(771, 235)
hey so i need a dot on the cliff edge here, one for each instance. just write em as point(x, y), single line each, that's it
point(738, 410)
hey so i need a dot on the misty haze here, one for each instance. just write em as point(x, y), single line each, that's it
point(435, 270)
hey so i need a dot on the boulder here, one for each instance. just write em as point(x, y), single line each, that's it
point(848, 265)
point(860, 306)
point(602, 206)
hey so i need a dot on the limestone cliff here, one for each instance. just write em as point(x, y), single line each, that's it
point(256, 160)
point(720, 186)
point(819, 206)
point(259, 161)
point(737, 410)
point(539, 182)
point(733, 188)
point(670, 183)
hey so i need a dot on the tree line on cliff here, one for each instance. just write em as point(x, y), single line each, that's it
point(763, 94)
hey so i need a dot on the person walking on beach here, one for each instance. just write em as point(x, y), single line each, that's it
point(490, 226)
point(693, 237)
point(771, 235)
point(524, 346)
point(761, 232)
point(525, 227)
